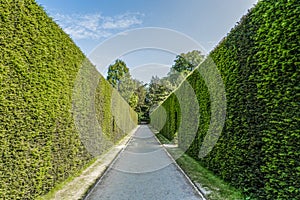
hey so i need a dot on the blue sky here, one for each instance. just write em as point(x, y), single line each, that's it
point(92, 22)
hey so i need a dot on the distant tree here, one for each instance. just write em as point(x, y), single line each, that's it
point(133, 100)
point(157, 92)
point(183, 65)
point(194, 57)
point(175, 78)
point(187, 61)
point(142, 107)
point(141, 97)
point(119, 77)
point(126, 86)
point(116, 72)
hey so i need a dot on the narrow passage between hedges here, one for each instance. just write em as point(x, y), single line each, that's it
point(144, 171)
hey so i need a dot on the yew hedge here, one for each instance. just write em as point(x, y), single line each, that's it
point(259, 148)
point(39, 143)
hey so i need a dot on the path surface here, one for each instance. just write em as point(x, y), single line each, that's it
point(143, 171)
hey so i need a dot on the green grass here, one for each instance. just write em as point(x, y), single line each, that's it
point(220, 190)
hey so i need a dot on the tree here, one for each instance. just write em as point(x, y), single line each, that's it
point(133, 100)
point(126, 86)
point(187, 61)
point(141, 97)
point(141, 108)
point(116, 72)
point(183, 65)
point(133, 91)
point(157, 92)
point(194, 57)
point(120, 78)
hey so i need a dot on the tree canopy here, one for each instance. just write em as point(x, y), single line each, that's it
point(187, 61)
point(143, 97)
point(116, 72)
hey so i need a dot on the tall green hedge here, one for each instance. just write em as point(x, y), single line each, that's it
point(259, 148)
point(39, 143)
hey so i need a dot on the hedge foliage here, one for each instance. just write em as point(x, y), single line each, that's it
point(40, 145)
point(259, 148)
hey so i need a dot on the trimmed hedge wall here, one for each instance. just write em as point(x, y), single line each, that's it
point(39, 143)
point(259, 148)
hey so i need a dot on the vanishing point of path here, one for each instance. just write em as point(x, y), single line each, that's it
point(143, 171)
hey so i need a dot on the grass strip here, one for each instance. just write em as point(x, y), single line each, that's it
point(214, 187)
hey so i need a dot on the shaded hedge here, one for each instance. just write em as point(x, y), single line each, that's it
point(39, 143)
point(259, 148)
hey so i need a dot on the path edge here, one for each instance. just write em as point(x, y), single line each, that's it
point(178, 167)
point(83, 184)
point(111, 163)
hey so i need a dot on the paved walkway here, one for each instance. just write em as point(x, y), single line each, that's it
point(143, 171)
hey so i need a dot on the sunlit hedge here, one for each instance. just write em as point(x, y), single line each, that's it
point(40, 145)
point(259, 148)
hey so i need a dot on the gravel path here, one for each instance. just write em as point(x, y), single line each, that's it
point(143, 171)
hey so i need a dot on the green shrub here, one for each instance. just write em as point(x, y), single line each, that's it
point(39, 63)
point(258, 149)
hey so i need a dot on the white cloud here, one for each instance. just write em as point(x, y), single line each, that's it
point(122, 22)
point(96, 26)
